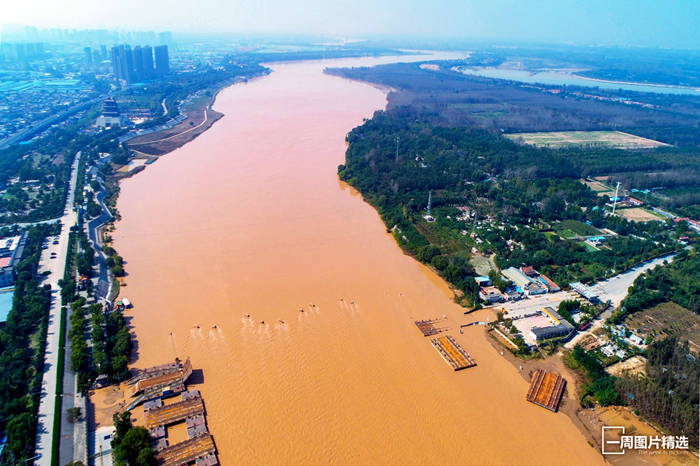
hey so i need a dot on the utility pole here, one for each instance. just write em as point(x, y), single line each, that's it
point(617, 190)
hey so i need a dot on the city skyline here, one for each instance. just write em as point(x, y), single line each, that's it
point(628, 23)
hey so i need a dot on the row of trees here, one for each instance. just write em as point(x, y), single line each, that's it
point(598, 385)
point(80, 352)
point(21, 362)
point(670, 393)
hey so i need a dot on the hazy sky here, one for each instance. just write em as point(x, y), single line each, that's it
point(663, 23)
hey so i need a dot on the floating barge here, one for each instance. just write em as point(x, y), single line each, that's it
point(199, 450)
point(173, 413)
point(546, 389)
point(452, 353)
point(150, 387)
point(156, 371)
point(157, 382)
point(427, 327)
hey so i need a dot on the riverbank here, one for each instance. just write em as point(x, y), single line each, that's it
point(251, 220)
point(199, 119)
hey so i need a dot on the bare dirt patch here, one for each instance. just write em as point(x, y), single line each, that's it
point(559, 139)
point(638, 214)
point(636, 365)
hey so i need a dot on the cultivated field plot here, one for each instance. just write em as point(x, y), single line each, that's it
point(571, 228)
point(560, 139)
point(597, 186)
point(668, 319)
point(638, 214)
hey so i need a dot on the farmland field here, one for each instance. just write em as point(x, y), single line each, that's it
point(597, 186)
point(571, 228)
point(668, 319)
point(560, 139)
point(639, 214)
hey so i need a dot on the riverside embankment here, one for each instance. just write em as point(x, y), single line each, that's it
point(250, 218)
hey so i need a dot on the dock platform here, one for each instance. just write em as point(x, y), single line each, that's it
point(162, 380)
point(155, 371)
point(427, 327)
point(188, 451)
point(452, 353)
point(173, 413)
point(546, 389)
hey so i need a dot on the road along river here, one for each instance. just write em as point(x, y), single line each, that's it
point(250, 218)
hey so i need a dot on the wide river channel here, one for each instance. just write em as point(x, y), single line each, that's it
point(250, 218)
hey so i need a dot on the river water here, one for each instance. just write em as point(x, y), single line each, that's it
point(250, 218)
point(559, 78)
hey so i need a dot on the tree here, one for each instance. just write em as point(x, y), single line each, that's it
point(122, 424)
point(20, 434)
point(134, 449)
point(74, 414)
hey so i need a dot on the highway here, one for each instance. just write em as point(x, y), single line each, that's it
point(55, 267)
point(45, 123)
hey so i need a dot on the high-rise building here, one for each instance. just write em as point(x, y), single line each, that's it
point(128, 64)
point(88, 55)
point(119, 65)
point(147, 61)
point(162, 60)
point(138, 64)
point(114, 57)
point(103, 51)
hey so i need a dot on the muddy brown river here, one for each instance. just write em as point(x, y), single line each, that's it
point(250, 218)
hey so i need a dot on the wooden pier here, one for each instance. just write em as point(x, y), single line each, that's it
point(152, 386)
point(155, 371)
point(189, 451)
point(427, 327)
point(161, 380)
point(452, 353)
point(173, 413)
point(546, 389)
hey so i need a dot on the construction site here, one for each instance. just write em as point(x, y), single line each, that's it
point(546, 389)
point(157, 388)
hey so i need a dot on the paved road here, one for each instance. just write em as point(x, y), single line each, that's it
point(104, 282)
point(615, 289)
point(31, 224)
point(55, 267)
point(45, 123)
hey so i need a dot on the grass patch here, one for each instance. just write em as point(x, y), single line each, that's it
point(570, 228)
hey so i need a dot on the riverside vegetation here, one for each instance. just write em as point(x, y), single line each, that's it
point(528, 207)
point(22, 352)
